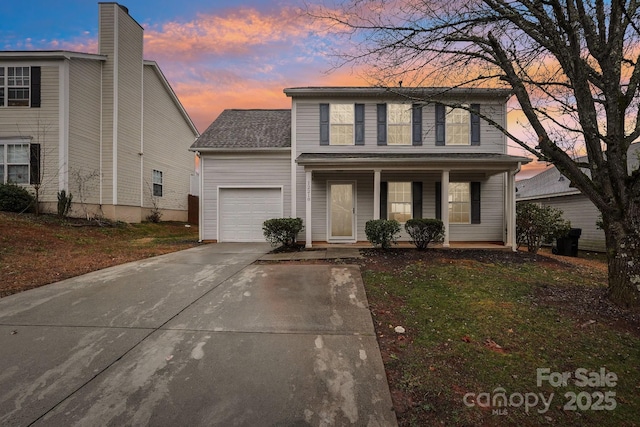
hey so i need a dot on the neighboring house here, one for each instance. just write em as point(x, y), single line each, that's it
point(345, 155)
point(105, 127)
point(551, 188)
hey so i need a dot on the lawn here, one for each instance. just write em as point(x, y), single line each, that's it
point(478, 325)
point(35, 251)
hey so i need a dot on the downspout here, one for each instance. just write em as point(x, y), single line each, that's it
point(512, 207)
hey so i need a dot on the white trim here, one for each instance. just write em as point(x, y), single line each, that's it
point(201, 230)
point(354, 237)
point(101, 177)
point(63, 126)
point(376, 193)
point(444, 206)
point(294, 166)
point(547, 196)
point(116, 47)
point(308, 217)
point(142, 140)
point(244, 187)
point(29, 55)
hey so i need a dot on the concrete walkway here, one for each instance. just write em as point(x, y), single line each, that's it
point(198, 337)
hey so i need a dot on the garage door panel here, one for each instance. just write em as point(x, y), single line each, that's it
point(243, 210)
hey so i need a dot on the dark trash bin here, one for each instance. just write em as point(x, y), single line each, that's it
point(568, 245)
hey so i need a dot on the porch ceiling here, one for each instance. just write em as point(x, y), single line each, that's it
point(411, 161)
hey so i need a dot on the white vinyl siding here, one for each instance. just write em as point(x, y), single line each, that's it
point(308, 130)
point(84, 130)
point(39, 125)
point(272, 170)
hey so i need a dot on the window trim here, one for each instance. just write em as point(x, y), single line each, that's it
point(160, 185)
point(7, 87)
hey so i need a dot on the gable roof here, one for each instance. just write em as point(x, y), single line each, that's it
point(551, 183)
point(247, 129)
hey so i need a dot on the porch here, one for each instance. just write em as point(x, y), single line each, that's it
point(342, 191)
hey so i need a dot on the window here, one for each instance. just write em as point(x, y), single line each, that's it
point(157, 183)
point(399, 201)
point(458, 122)
point(2, 85)
point(342, 120)
point(399, 124)
point(459, 203)
point(18, 83)
point(14, 163)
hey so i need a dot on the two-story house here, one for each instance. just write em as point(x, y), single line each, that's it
point(106, 127)
point(344, 155)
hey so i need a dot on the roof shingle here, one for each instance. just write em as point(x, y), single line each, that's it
point(246, 129)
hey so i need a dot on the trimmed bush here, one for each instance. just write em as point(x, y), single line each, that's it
point(424, 231)
point(537, 224)
point(282, 231)
point(382, 232)
point(14, 198)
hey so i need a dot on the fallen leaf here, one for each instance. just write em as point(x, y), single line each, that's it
point(466, 338)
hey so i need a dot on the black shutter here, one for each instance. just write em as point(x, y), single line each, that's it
point(35, 87)
point(359, 113)
point(416, 195)
point(475, 203)
point(382, 124)
point(438, 200)
point(34, 163)
point(384, 189)
point(475, 124)
point(416, 124)
point(324, 124)
point(440, 124)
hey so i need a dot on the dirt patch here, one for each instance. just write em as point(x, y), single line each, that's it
point(35, 251)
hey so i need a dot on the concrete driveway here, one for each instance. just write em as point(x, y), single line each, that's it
point(198, 337)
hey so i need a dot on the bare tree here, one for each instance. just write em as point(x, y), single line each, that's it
point(573, 66)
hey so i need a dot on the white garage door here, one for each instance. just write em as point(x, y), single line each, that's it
point(243, 210)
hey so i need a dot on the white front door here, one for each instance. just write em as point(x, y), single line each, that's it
point(341, 211)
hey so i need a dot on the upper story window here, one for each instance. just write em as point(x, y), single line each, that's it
point(457, 126)
point(399, 124)
point(342, 124)
point(20, 87)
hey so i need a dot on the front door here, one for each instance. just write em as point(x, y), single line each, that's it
point(341, 211)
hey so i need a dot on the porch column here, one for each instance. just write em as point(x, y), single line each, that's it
point(444, 206)
point(511, 210)
point(307, 210)
point(376, 194)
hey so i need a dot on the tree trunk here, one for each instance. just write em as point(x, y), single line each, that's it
point(623, 256)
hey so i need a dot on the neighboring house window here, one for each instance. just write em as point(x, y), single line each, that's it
point(157, 183)
point(399, 124)
point(459, 203)
point(20, 87)
point(399, 201)
point(457, 126)
point(14, 163)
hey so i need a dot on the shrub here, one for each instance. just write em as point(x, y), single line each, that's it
point(14, 198)
point(282, 231)
point(382, 232)
point(536, 224)
point(64, 203)
point(154, 215)
point(424, 231)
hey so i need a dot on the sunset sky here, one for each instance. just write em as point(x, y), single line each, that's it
point(216, 54)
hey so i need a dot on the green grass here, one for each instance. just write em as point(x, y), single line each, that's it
point(450, 309)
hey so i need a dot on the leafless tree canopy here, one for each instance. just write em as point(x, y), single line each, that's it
point(573, 67)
